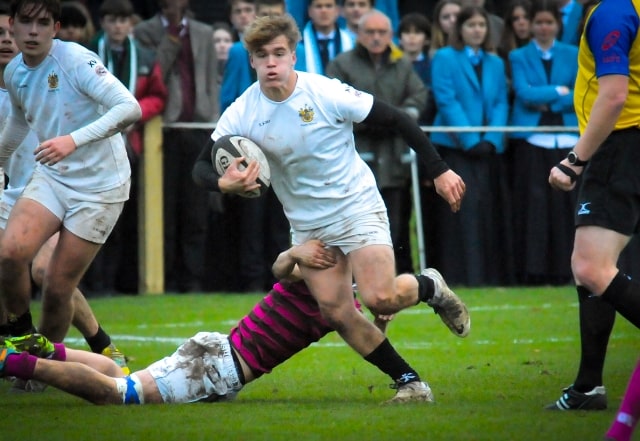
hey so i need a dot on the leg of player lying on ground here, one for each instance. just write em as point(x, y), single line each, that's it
point(208, 366)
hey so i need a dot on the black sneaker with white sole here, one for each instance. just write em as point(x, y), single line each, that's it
point(571, 399)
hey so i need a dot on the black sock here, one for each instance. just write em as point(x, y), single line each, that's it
point(385, 358)
point(21, 325)
point(596, 322)
point(624, 294)
point(426, 288)
point(98, 342)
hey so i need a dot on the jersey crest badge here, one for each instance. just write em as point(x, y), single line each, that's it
point(306, 114)
point(53, 80)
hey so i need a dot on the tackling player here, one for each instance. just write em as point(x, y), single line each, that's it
point(208, 366)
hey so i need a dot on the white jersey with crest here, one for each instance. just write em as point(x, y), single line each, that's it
point(71, 93)
point(21, 164)
point(316, 171)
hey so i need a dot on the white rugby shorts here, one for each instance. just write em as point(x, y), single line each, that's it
point(90, 216)
point(350, 234)
point(201, 369)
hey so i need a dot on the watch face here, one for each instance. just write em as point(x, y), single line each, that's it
point(572, 158)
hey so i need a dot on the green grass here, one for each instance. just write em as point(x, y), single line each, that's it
point(523, 348)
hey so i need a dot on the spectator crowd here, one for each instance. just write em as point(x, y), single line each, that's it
point(451, 65)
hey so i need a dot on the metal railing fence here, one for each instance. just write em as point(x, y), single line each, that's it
point(151, 266)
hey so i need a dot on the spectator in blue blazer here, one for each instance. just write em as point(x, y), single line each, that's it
point(470, 89)
point(544, 73)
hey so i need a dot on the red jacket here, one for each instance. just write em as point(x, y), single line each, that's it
point(151, 93)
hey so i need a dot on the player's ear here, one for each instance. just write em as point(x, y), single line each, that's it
point(56, 27)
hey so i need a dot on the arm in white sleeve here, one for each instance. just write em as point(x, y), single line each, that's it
point(118, 118)
point(122, 108)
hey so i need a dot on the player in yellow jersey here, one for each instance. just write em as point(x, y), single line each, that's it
point(606, 158)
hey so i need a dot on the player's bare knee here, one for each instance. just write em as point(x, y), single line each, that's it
point(381, 303)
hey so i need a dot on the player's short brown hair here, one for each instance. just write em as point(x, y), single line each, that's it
point(265, 29)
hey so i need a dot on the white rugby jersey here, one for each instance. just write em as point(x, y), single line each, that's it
point(22, 162)
point(308, 140)
point(71, 93)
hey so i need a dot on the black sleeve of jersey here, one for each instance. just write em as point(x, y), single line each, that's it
point(203, 173)
point(385, 115)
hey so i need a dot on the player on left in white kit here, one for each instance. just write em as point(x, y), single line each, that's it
point(77, 109)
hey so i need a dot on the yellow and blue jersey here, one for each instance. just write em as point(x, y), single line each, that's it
point(610, 45)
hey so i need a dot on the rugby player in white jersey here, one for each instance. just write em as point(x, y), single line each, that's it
point(19, 171)
point(304, 123)
point(76, 108)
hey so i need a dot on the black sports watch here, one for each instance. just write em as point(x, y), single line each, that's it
point(573, 159)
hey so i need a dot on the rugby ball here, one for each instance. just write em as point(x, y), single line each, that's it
point(229, 147)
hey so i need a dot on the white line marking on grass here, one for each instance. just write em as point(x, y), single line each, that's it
point(132, 338)
point(170, 325)
point(492, 308)
point(176, 341)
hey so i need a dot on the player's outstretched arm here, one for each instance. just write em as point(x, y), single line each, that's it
point(448, 184)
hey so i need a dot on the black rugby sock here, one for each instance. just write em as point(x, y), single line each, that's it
point(624, 294)
point(596, 322)
point(99, 341)
point(385, 358)
point(21, 325)
point(426, 288)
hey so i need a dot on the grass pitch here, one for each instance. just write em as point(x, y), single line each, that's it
point(522, 350)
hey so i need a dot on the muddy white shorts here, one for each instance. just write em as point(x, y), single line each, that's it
point(201, 369)
point(350, 234)
point(90, 216)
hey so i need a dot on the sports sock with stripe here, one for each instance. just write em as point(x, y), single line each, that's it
point(387, 359)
